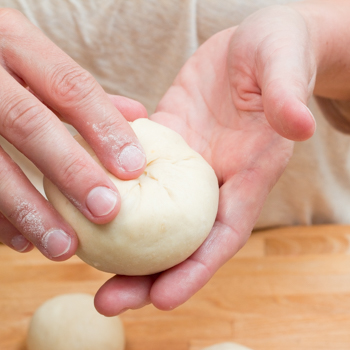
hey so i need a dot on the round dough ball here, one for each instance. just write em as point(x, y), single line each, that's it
point(165, 215)
point(226, 346)
point(71, 322)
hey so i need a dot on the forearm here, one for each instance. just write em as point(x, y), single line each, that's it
point(328, 24)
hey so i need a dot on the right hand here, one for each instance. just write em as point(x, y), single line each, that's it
point(38, 81)
point(239, 101)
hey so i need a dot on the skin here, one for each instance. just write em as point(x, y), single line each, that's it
point(38, 83)
point(240, 101)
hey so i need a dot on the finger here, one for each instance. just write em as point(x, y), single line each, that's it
point(73, 93)
point(241, 200)
point(285, 105)
point(130, 109)
point(121, 293)
point(287, 72)
point(175, 286)
point(31, 215)
point(10, 236)
point(40, 136)
point(51, 109)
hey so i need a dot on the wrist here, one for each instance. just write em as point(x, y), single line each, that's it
point(327, 24)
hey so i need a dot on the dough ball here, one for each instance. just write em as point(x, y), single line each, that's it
point(226, 346)
point(165, 215)
point(70, 322)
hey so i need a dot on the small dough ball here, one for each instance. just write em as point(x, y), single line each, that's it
point(165, 215)
point(70, 322)
point(227, 346)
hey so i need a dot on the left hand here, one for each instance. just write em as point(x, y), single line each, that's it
point(239, 108)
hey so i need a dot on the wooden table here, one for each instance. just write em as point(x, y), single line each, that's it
point(286, 289)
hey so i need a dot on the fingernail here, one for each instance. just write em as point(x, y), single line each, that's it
point(131, 158)
point(19, 243)
point(101, 201)
point(56, 242)
point(311, 115)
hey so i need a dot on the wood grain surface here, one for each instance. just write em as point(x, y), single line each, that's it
point(286, 289)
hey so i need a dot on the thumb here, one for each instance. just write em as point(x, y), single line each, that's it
point(272, 48)
point(286, 65)
point(284, 102)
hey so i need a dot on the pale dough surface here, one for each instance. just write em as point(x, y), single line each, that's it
point(165, 215)
point(227, 346)
point(71, 322)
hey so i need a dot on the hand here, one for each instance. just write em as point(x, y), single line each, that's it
point(37, 83)
point(237, 101)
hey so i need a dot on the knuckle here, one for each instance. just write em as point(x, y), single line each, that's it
point(71, 84)
point(108, 132)
point(23, 117)
point(72, 169)
point(27, 218)
point(20, 211)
